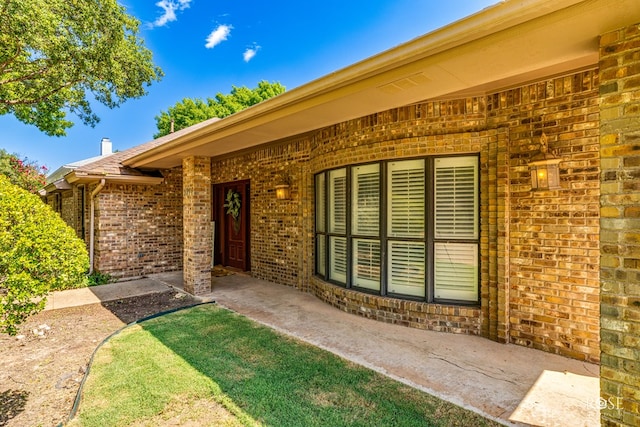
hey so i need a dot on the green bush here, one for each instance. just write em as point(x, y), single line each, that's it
point(96, 278)
point(39, 253)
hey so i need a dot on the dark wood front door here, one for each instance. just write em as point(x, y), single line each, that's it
point(231, 244)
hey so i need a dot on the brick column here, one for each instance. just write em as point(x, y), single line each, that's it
point(495, 194)
point(620, 227)
point(198, 242)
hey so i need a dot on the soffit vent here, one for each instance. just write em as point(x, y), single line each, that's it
point(404, 83)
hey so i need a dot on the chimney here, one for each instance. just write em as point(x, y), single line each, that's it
point(105, 147)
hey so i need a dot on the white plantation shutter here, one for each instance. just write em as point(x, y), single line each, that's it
point(338, 201)
point(406, 199)
point(321, 254)
point(320, 202)
point(365, 206)
point(456, 198)
point(338, 264)
point(456, 218)
point(406, 268)
point(456, 271)
point(366, 263)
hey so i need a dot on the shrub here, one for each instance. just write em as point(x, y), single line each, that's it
point(22, 172)
point(96, 278)
point(39, 253)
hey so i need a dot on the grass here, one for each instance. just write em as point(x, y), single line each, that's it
point(209, 366)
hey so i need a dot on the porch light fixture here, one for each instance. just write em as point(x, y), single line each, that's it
point(282, 192)
point(545, 172)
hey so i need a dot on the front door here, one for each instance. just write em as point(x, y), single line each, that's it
point(231, 218)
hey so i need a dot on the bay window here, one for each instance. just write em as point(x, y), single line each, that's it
point(406, 228)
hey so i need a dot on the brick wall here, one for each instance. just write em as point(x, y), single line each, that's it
point(434, 317)
point(67, 204)
point(279, 242)
point(139, 227)
point(197, 233)
point(553, 235)
point(403, 133)
point(539, 250)
point(620, 226)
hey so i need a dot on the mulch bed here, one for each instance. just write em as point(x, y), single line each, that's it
point(43, 365)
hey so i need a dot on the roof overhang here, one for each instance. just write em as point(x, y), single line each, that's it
point(52, 187)
point(508, 44)
point(86, 178)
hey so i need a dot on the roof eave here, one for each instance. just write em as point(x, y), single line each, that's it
point(381, 75)
point(76, 177)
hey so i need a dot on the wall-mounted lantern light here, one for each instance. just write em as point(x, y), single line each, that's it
point(544, 167)
point(282, 192)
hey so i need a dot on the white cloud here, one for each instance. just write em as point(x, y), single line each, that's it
point(250, 53)
point(218, 35)
point(170, 7)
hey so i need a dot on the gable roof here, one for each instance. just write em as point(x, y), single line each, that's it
point(111, 166)
point(511, 43)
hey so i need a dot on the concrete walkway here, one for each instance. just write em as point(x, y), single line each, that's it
point(103, 293)
point(508, 383)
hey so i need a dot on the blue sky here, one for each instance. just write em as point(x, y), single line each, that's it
point(204, 47)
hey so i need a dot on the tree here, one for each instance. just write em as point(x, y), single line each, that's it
point(191, 111)
point(38, 253)
point(56, 56)
point(22, 172)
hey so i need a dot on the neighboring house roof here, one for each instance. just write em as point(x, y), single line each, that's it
point(111, 166)
point(511, 43)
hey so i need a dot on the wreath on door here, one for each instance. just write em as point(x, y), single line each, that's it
point(233, 205)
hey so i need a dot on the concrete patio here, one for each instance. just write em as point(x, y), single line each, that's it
point(508, 383)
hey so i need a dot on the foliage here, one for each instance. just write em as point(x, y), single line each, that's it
point(96, 278)
point(39, 253)
point(56, 56)
point(24, 173)
point(183, 363)
point(192, 111)
point(233, 204)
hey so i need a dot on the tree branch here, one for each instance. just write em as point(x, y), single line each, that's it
point(37, 100)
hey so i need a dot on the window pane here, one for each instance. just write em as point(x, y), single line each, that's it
point(338, 201)
point(321, 254)
point(456, 271)
point(365, 204)
point(456, 198)
point(320, 202)
point(338, 257)
point(406, 199)
point(366, 264)
point(406, 268)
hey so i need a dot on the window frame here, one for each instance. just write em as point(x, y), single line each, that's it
point(428, 239)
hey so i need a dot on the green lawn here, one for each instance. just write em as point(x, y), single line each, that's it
point(209, 366)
